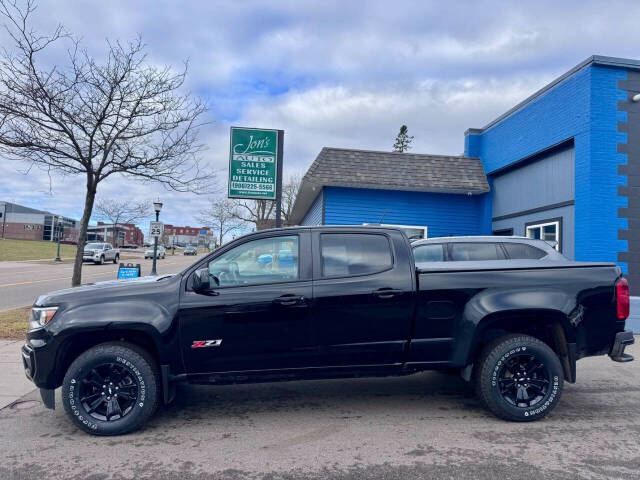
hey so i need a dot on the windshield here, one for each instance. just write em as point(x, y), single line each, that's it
point(93, 246)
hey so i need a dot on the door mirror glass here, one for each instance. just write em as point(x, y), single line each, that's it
point(201, 282)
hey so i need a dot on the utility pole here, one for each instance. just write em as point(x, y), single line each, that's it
point(279, 178)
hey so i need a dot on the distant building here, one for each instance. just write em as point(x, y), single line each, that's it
point(174, 234)
point(24, 223)
point(125, 233)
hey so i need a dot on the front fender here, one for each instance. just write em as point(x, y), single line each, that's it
point(492, 305)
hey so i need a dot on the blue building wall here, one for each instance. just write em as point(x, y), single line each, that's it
point(583, 107)
point(443, 214)
point(314, 214)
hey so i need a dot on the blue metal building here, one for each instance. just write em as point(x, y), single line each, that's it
point(563, 165)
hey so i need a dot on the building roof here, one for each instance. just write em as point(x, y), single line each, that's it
point(341, 167)
point(592, 60)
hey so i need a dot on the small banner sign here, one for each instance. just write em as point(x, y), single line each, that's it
point(253, 158)
point(129, 270)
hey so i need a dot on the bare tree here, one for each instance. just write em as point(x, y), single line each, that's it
point(289, 193)
point(120, 212)
point(95, 119)
point(219, 216)
point(259, 212)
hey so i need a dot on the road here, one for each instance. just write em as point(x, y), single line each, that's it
point(22, 282)
point(425, 426)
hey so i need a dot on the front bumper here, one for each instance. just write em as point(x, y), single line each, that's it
point(30, 370)
point(617, 351)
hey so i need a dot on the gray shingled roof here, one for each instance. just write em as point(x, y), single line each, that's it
point(339, 167)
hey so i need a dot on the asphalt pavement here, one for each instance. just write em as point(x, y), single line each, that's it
point(22, 282)
point(426, 426)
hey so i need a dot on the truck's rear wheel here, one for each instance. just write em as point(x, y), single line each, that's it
point(519, 378)
point(111, 389)
point(116, 259)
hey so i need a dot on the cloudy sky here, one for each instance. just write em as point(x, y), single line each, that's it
point(335, 73)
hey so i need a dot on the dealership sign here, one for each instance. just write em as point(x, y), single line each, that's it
point(253, 165)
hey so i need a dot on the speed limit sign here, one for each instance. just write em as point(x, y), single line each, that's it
point(155, 229)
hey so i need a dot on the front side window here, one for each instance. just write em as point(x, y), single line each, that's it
point(548, 231)
point(429, 253)
point(345, 254)
point(267, 260)
point(461, 252)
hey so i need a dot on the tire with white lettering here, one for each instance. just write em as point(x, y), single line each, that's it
point(519, 378)
point(111, 389)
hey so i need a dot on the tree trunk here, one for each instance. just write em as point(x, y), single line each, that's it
point(82, 236)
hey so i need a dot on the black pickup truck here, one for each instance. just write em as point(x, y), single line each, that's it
point(324, 302)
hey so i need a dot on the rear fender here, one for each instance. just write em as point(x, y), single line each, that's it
point(511, 306)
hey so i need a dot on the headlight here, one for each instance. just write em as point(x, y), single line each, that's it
point(40, 316)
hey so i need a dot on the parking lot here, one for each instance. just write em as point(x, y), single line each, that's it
point(421, 426)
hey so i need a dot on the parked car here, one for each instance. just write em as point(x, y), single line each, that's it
point(160, 252)
point(324, 302)
point(100, 252)
point(190, 251)
point(479, 248)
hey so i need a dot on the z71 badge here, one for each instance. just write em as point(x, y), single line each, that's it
point(206, 343)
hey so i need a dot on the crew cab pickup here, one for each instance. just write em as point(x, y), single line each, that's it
point(324, 302)
point(100, 252)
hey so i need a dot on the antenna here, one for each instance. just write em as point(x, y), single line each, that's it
point(383, 215)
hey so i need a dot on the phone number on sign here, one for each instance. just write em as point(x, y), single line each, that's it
point(264, 187)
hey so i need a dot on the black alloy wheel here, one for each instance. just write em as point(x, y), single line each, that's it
point(111, 389)
point(523, 380)
point(518, 377)
point(109, 392)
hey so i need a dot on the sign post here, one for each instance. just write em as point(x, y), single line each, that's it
point(255, 165)
point(155, 230)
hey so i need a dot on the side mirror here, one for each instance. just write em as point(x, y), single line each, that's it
point(201, 283)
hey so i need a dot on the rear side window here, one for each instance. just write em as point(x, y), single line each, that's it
point(429, 253)
point(461, 252)
point(523, 251)
point(345, 254)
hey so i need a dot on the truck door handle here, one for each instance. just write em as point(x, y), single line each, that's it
point(288, 300)
point(386, 293)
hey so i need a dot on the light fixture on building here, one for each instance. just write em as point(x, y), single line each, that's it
point(636, 97)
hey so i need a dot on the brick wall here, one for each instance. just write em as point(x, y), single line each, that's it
point(583, 107)
point(23, 231)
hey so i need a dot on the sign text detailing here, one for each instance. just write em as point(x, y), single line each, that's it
point(252, 163)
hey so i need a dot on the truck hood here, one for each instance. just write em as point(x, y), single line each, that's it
point(107, 290)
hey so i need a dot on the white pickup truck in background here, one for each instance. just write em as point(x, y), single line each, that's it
point(100, 252)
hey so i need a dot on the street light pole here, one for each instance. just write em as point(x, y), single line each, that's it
point(157, 206)
point(57, 219)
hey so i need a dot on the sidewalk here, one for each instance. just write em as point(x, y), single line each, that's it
point(14, 383)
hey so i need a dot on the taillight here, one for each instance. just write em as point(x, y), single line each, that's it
point(622, 298)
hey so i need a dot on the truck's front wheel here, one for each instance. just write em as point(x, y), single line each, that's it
point(111, 389)
point(519, 378)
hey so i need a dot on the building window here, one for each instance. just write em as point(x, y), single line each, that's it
point(413, 232)
point(505, 232)
point(547, 230)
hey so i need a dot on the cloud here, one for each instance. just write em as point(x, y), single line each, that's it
point(335, 73)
